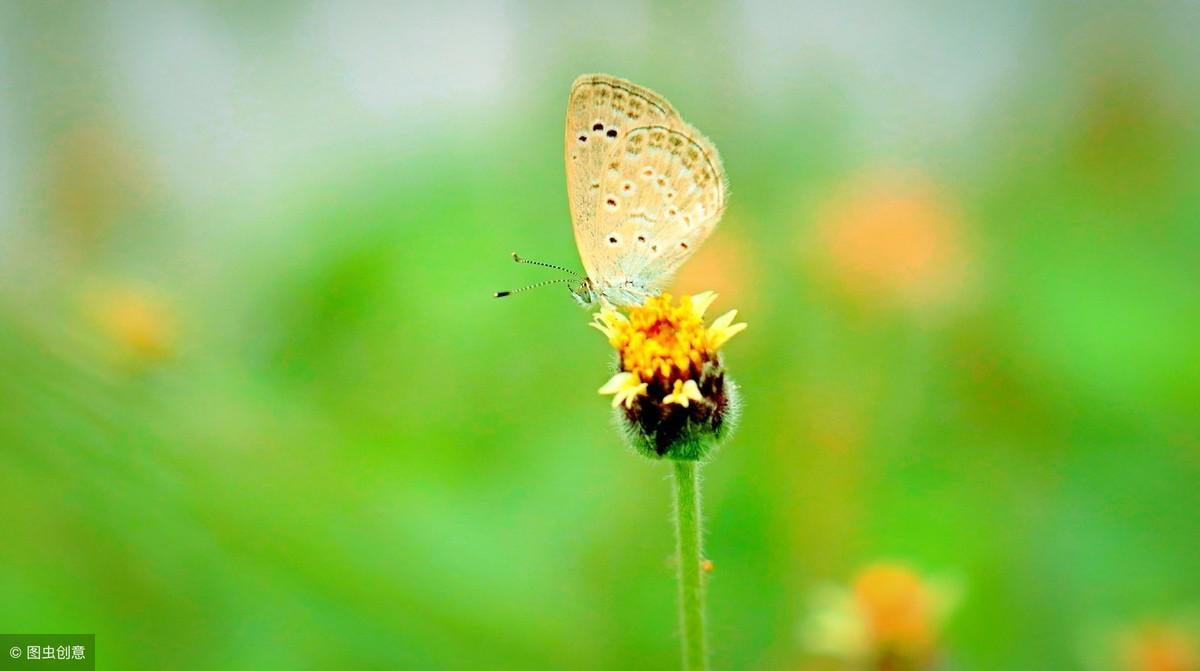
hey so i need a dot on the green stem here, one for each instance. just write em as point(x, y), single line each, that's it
point(691, 589)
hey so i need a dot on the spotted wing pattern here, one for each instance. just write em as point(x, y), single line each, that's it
point(662, 193)
point(601, 112)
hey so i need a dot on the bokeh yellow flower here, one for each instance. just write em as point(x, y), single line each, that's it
point(136, 320)
point(1159, 647)
point(897, 609)
point(889, 619)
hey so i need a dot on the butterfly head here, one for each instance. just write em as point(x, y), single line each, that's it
point(584, 293)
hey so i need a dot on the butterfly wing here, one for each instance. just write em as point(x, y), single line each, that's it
point(601, 110)
point(661, 194)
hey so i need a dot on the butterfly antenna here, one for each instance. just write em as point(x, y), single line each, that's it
point(502, 294)
point(520, 259)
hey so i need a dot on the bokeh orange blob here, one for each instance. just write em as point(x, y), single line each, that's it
point(899, 612)
point(1160, 648)
point(892, 238)
point(93, 178)
point(724, 265)
point(136, 320)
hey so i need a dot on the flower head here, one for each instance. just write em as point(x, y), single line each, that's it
point(676, 398)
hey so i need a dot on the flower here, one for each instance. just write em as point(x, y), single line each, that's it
point(677, 401)
point(890, 618)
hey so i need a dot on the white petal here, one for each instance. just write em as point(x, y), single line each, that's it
point(723, 321)
point(721, 337)
point(616, 383)
point(631, 394)
point(701, 301)
point(602, 328)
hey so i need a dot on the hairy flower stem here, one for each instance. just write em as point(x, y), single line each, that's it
point(691, 588)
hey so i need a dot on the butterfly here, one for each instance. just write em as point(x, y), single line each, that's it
point(645, 190)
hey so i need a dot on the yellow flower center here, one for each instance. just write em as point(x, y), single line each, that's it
point(661, 338)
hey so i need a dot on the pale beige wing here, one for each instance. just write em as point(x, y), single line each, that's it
point(601, 110)
point(662, 193)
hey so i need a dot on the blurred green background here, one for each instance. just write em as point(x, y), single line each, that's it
point(258, 409)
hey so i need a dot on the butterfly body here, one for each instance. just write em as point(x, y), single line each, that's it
point(628, 293)
point(645, 188)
